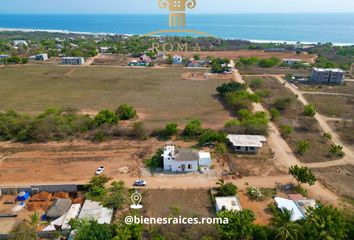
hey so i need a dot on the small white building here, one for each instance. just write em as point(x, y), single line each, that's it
point(290, 205)
point(104, 49)
point(17, 43)
point(292, 61)
point(227, 203)
point(246, 143)
point(41, 57)
point(72, 60)
point(184, 160)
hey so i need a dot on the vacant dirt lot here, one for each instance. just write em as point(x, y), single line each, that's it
point(339, 179)
point(345, 130)
point(186, 203)
point(112, 59)
point(347, 88)
point(305, 128)
point(260, 164)
point(73, 161)
point(159, 95)
point(333, 106)
point(273, 71)
point(248, 53)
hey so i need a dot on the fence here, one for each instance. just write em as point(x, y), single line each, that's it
point(13, 190)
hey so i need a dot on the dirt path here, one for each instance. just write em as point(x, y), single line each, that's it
point(349, 154)
point(283, 154)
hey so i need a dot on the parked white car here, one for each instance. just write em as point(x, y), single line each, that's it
point(99, 170)
point(140, 183)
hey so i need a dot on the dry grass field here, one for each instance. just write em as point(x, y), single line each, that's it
point(159, 95)
point(333, 106)
point(345, 129)
point(304, 128)
point(249, 53)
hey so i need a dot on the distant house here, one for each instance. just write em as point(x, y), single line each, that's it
point(72, 60)
point(135, 63)
point(327, 75)
point(227, 203)
point(177, 59)
point(95, 211)
point(4, 56)
point(291, 61)
point(104, 49)
point(59, 46)
point(184, 160)
point(275, 50)
point(246, 143)
point(41, 57)
point(197, 64)
point(17, 43)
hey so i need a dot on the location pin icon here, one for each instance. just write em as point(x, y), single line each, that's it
point(136, 199)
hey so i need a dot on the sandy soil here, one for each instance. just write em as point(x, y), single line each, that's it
point(72, 161)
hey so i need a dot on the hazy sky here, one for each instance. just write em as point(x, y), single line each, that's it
point(150, 6)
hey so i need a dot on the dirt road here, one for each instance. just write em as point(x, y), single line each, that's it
point(349, 154)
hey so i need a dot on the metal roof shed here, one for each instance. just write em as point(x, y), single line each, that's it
point(95, 211)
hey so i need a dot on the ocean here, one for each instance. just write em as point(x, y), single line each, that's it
point(318, 27)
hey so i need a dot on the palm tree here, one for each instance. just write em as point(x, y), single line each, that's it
point(284, 227)
point(34, 221)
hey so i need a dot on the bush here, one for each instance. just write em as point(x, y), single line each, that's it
point(327, 136)
point(210, 136)
point(226, 189)
point(220, 65)
point(282, 104)
point(274, 113)
point(230, 87)
point(256, 83)
point(105, 117)
point(193, 129)
point(138, 131)
point(336, 150)
point(220, 149)
point(254, 124)
point(268, 63)
point(171, 129)
point(302, 147)
point(309, 110)
point(125, 112)
point(286, 130)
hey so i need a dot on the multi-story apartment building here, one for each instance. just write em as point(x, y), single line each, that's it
point(324, 75)
point(72, 60)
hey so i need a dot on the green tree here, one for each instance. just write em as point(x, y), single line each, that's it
point(105, 117)
point(91, 230)
point(125, 112)
point(193, 129)
point(128, 232)
point(171, 129)
point(210, 136)
point(302, 175)
point(284, 228)
point(240, 225)
point(220, 149)
point(116, 197)
point(225, 189)
point(302, 147)
point(156, 160)
point(325, 223)
point(96, 188)
point(336, 150)
point(230, 87)
point(309, 110)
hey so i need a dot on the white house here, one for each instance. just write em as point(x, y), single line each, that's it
point(227, 203)
point(20, 43)
point(290, 205)
point(292, 61)
point(92, 210)
point(41, 57)
point(246, 143)
point(72, 60)
point(184, 160)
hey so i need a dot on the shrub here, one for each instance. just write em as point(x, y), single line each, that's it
point(268, 63)
point(226, 189)
point(125, 112)
point(256, 83)
point(282, 104)
point(220, 148)
point(171, 129)
point(327, 136)
point(138, 131)
point(105, 117)
point(254, 193)
point(336, 150)
point(193, 129)
point(210, 136)
point(309, 110)
point(274, 113)
point(302, 147)
point(302, 175)
point(230, 87)
point(286, 130)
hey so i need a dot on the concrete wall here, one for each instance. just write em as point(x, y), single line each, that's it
point(40, 188)
point(177, 166)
